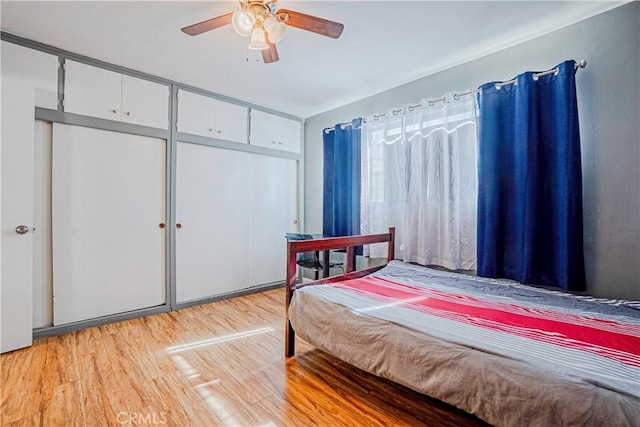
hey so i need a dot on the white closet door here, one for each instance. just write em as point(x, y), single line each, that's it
point(108, 200)
point(213, 207)
point(29, 78)
point(273, 214)
point(16, 290)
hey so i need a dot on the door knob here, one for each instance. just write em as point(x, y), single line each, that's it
point(178, 225)
point(23, 229)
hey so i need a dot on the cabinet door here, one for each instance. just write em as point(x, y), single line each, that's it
point(92, 91)
point(263, 130)
point(231, 122)
point(288, 135)
point(213, 207)
point(196, 114)
point(273, 214)
point(271, 131)
point(145, 103)
point(108, 200)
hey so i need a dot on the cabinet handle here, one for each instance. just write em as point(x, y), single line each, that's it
point(274, 142)
point(178, 225)
point(210, 130)
point(219, 131)
point(161, 225)
point(280, 142)
point(114, 111)
point(128, 113)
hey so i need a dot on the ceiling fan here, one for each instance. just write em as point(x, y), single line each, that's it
point(265, 24)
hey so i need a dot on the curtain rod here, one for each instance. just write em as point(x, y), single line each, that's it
point(342, 126)
point(430, 103)
point(457, 96)
point(581, 64)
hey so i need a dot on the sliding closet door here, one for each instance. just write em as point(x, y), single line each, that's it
point(213, 208)
point(108, 202)
point(273, 214)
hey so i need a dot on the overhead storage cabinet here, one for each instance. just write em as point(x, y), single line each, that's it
point(205, 116)
point(96, 92)
point(271, 131)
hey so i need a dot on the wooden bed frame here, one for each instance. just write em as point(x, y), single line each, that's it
point(294, 247)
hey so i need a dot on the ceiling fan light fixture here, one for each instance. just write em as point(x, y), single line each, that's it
point(258, 41)
point(275, 29)
point(265, 24)
point(243, 23)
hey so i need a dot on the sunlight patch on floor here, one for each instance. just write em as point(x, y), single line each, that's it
point(216, 340)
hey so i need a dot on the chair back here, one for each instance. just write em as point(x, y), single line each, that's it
point(300, 236)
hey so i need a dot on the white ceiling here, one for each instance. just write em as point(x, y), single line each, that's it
point(384, 44)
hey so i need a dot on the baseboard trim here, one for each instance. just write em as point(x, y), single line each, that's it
point(229, 295)
point(49, 331)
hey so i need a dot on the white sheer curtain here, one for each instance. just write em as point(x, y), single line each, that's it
point(419, 175)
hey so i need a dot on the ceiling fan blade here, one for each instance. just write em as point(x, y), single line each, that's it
point(208, 25)
point(313, 23)
point(270, 54)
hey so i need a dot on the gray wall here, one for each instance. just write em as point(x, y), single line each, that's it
point(609, 107)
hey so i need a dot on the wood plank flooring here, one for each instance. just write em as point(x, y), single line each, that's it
point(217, 364)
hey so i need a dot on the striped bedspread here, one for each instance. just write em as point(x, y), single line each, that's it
point(594, 340)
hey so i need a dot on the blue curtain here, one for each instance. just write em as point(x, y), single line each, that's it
point(530, 181)
point(341, 206)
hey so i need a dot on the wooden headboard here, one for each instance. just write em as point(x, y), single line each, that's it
point(294, 247)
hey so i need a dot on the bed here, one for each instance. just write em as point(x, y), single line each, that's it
point(508, 353)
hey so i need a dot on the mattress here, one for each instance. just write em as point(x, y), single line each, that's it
point(508, 353)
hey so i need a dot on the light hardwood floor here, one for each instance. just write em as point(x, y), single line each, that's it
point(216, 364)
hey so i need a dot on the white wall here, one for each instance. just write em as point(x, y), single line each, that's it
point(609, 109)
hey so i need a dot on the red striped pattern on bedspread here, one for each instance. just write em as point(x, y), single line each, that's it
point(612, 339)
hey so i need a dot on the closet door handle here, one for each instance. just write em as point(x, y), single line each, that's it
point(161, 225)
point(23, 229)
point(178, 225)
